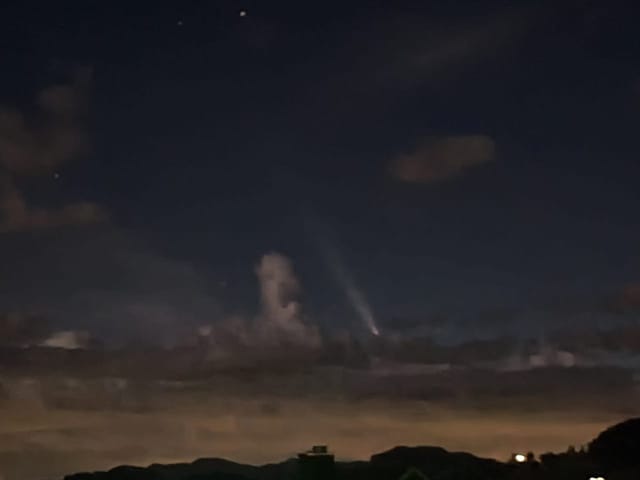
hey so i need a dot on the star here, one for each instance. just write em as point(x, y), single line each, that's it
point(243, 13)
point(180, 23)
point(56, 176)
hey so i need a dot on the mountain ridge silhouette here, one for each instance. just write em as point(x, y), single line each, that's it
point(613, 455)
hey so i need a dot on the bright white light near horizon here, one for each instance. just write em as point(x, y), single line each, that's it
point(596, 478)
point(521, 458)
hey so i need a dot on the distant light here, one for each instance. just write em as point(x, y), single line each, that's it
point(243, 13)
point(56, 175)
point(180, 23)
point(520, 458)
point(596, 478)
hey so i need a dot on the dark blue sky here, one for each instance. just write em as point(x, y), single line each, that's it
point(215, 138)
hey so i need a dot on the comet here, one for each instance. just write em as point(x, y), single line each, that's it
point(355, 296)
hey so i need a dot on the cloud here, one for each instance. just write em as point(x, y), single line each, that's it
point(628, 299)
point(68, 340)
point(106, 281)
point(236, 346)
point(53, 135)
point(279, 323)
point(617, 343)
point(443, 158)
point(18, 216)
point(18, 328)
point(415, 54)
point(109, 283)
point(281, 312)
point(37, 143)
point(278, 289)
point(394, 55)
point(144, 403)
point(111, 421)
point(186, 402)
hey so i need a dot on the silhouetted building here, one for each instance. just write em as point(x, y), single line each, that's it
point(317, 464)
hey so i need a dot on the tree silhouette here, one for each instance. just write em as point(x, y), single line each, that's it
point(618, 446)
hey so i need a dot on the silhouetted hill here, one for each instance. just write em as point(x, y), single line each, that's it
point(436, 463)
point(614, 455)
point(205, 466)
point(618, 447)
point(124, 472)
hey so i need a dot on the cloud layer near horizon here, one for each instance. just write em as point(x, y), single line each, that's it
point(71, 424)
point(242, 387)
point(223, 379)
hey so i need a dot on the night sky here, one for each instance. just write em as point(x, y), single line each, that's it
point(239, 228)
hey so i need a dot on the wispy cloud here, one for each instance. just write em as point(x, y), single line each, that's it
point(415, 50)
point(443, 158)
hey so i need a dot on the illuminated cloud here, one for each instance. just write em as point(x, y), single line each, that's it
point(278, 289)
point(280, 321)
point(443, 158)
point(68, 340)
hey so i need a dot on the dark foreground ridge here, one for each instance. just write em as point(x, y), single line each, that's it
point(613, 455)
